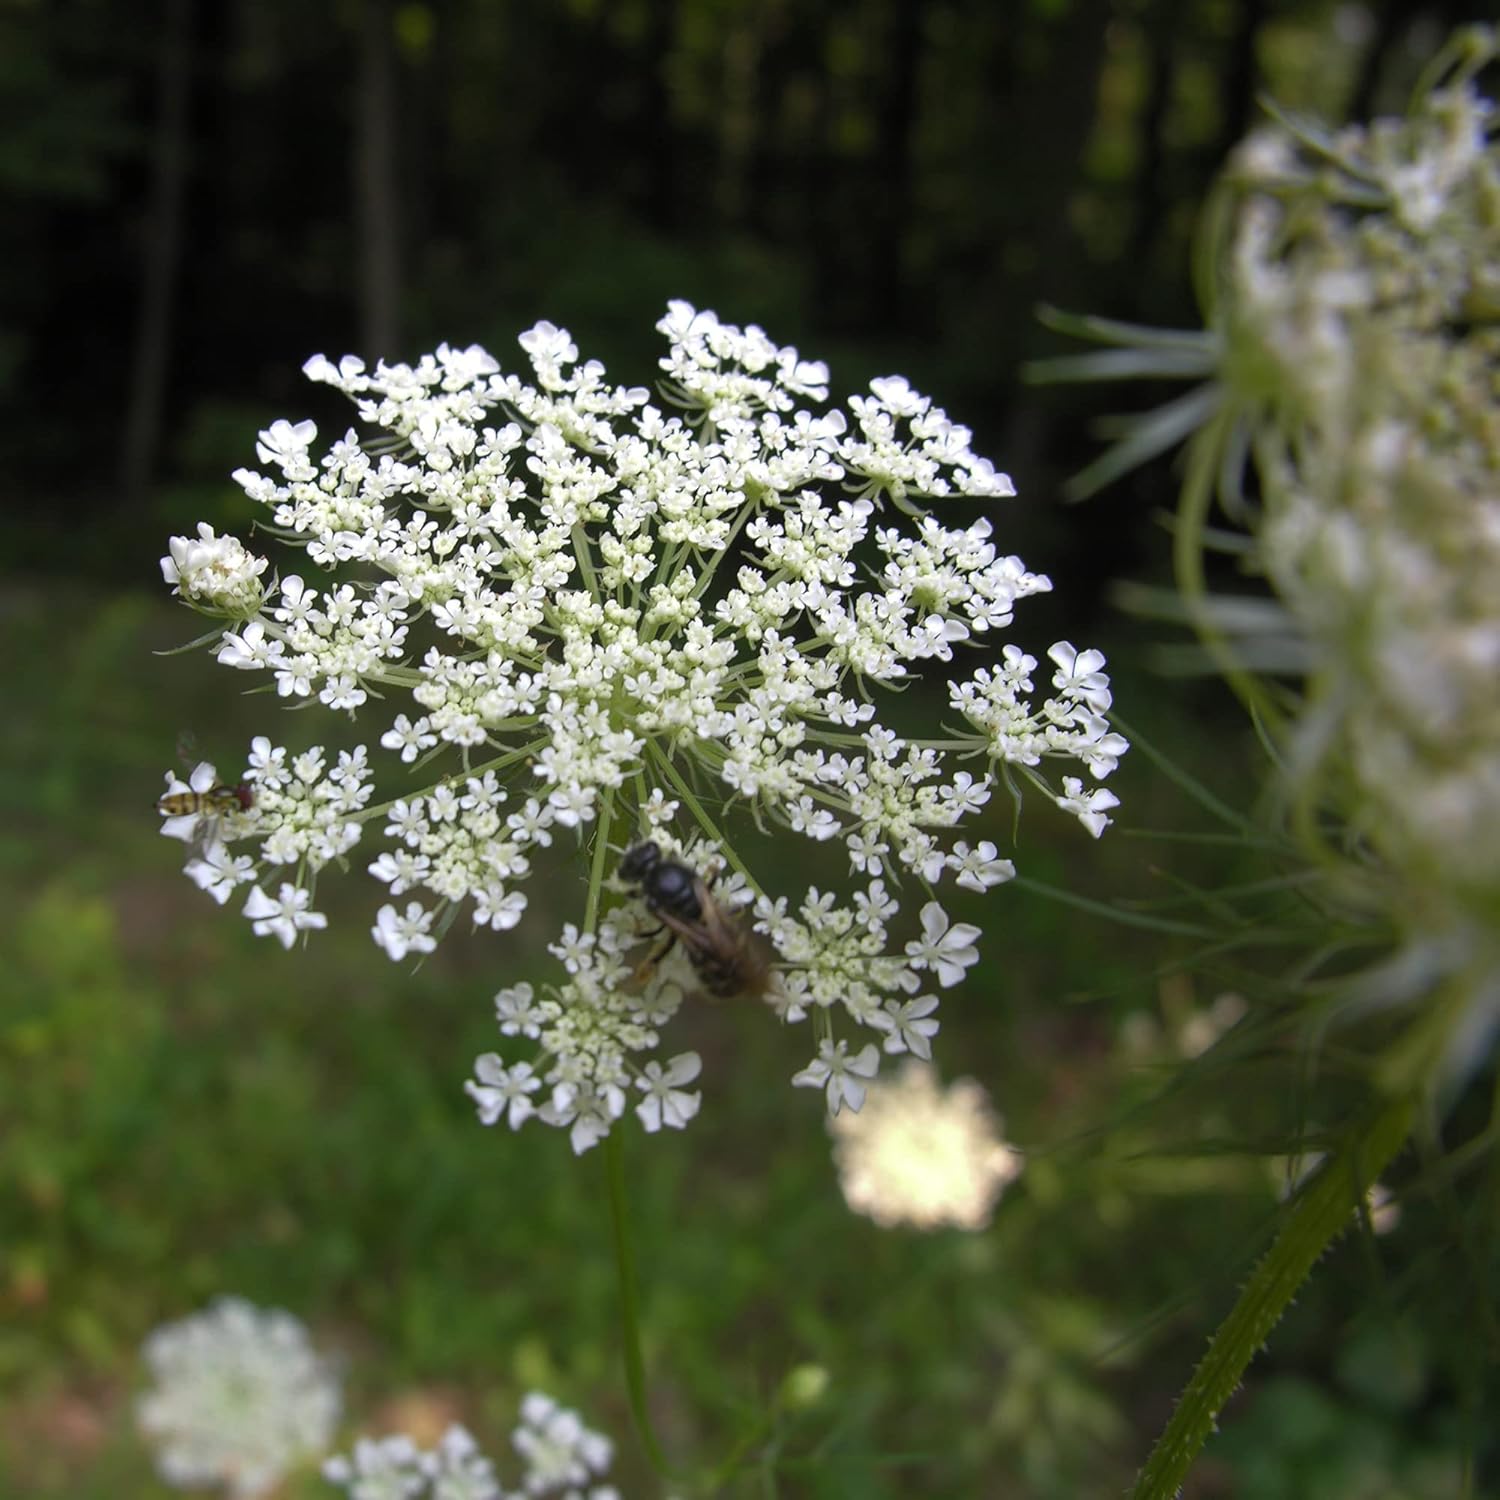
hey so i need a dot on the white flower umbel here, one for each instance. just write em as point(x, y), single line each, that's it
point(395, 1468)
point(579, 618)
point(1350, 367)
point(921, 1155)
point(561, 1458)
point(239, 1398)
point(558, 1450)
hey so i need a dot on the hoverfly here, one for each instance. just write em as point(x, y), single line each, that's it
point(193, 808)
point(726, 956)
point(209, 803)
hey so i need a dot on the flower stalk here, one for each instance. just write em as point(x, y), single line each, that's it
point(1328, 1205)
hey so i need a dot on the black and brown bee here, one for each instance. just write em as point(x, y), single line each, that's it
point(728, 958)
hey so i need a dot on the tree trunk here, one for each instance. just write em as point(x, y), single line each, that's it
point(377, 221)
point(891, 187)
point(161, 254)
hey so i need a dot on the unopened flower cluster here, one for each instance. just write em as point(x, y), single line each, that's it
point(1364, 296)
point(239, 1399)
point(578, 618)
point(923, 1155)
point(561, 1460)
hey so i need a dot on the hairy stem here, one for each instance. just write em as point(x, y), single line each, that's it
point(1325, 1208)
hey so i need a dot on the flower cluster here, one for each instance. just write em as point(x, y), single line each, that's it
point(561, 1458)
point(240, 1397)
point(582, 619)
point(1362, 293)
point(921, 1155)
point(1350, 363)
point(1361, 296)
point(215, 573)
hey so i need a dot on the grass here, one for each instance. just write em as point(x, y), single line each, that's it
point(189, 1111)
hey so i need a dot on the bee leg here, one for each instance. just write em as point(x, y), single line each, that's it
point(647, 966)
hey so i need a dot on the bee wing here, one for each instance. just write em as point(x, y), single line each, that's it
point(696, 935)
point(723, 929)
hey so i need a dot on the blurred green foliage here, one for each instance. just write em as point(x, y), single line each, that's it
point(188, 1110)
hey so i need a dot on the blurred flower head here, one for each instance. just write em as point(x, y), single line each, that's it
point(1355, 310)
point(562, 1460)
point(919, 1154)
point(1350, 360)
point(1359, 315)
point(239, 1398)
point(561, 1454)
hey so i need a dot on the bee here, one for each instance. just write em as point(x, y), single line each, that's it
point(726, 956)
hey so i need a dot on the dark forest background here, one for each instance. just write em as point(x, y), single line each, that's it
point(198, 195)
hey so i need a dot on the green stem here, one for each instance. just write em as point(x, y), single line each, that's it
point(750, 508)
point(734, 1461)
point(523, 752)
point(630, 1316)
point(713, 1480)
point(596, 869)
point(700, 813)
point(580, 539)
point(1324, 1210)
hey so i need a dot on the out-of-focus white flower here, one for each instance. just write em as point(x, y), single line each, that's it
point(1349, 296)
point(561, 1458)
point(1200, 1030)
point(388, 1468)
point(1185, 1026)
point(1383, 1207)
point(239, 1398)
point(557, 1449)
point(921, 1155)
